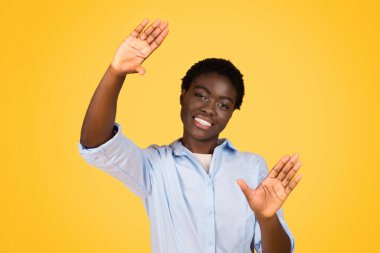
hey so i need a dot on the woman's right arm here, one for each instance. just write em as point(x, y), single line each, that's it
point(98, 123)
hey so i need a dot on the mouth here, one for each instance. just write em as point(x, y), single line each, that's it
point(202, 123)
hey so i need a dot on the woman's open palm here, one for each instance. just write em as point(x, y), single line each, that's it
point(138, 45)
point(272, 192)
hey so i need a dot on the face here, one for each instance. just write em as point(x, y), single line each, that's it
point(207, 106)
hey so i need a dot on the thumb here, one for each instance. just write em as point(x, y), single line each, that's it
point(140, 70)
point(248, 192)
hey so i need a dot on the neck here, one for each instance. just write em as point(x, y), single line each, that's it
point(198, 146)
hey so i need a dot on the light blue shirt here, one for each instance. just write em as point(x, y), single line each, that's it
point(190, 210)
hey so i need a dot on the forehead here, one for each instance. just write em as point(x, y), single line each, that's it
point(215, 83)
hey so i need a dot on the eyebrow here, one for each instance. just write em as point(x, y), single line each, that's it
point(198, 86)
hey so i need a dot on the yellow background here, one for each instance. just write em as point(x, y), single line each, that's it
point(311, 70)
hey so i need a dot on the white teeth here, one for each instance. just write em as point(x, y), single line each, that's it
point(203, 122)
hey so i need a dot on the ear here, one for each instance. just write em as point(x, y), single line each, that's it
point(181, 97)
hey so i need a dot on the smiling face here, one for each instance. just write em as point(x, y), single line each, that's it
point(207, 106)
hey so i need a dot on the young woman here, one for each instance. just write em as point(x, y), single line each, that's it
point(197, 190)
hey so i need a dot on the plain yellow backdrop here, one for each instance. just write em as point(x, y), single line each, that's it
point(311, 70)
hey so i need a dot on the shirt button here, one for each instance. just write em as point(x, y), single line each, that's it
point(209, 212)
point(210, 243)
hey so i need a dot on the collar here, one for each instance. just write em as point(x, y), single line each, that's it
point(179, 149)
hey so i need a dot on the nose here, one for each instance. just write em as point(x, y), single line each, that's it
point(209, 108)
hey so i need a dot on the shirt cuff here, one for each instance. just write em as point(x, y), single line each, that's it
point(116, 129)
point(280, 216)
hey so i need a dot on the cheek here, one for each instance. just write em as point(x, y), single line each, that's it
point(225, 119)
point(189, 105)
point(184, 113)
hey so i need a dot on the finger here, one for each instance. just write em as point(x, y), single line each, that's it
point(156, 32)
point(293, 184)
point(288, 166)
point(139, 28)
point(248, 192)
point(157, 42)
point(289, 177)
point(150, 29)
point(277, 168)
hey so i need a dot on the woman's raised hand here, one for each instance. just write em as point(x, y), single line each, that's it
point(138, 45)
point(272, 192)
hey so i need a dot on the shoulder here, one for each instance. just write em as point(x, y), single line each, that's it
point(155, 151)
point(247, 157)
point(158, 148)
point(257, 166)
point(253, 161)
point(251, 157)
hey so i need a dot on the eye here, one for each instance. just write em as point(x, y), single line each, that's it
point(201, 96)
point(223, 106)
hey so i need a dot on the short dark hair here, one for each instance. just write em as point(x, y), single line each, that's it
point(220, 66)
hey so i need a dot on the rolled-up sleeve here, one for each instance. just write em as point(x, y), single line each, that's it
point(263, 172)
point(122, 159)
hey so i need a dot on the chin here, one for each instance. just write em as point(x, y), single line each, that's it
point(200, 135)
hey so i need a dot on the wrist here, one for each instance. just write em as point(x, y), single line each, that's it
point(115, 70)
point(265, 219)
